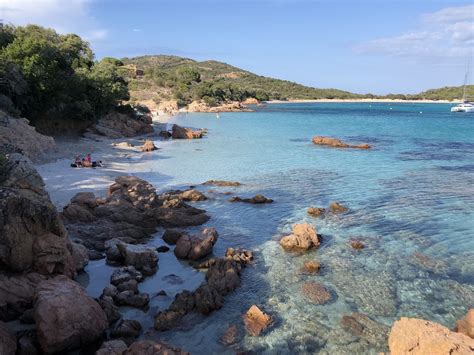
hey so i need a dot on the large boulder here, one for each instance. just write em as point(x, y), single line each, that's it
point(143, 258)
point(466, 324)
point(17, 132)
point(179, 132)
point(117, 125)
point(337, 143)
point(66, 317)
point(304, 237)
point(32, 236)
point(418, 336)
point(7, 340)
point(197, 246)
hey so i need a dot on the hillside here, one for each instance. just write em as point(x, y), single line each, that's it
point(171, 77)
point(445, 93)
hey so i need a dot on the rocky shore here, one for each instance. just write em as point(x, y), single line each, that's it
point(43, 248)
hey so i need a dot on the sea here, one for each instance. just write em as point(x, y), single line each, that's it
point(410, 199)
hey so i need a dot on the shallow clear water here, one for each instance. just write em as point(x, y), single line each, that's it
point(413, 192)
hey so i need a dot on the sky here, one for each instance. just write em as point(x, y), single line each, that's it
point(376, 46)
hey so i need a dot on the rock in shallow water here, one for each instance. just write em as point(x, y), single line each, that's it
point(337, 143)
point(304, 237)
point(418, 336)
point(316, 293)
point(316, 211)
point(143, 258)
point(256, 321)
point(196, 246)
point(256, 200)
point(66, 317)
point(112, 347)
point(362, 326)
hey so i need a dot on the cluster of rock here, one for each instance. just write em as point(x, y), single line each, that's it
point(222, 277)
point(178, 132)
point(256, 200)
point(303, 237)
point(17, 132)
point(131, 212)
point(337, 143)
point(334, 207)
point(116, 125)
point(221, 183)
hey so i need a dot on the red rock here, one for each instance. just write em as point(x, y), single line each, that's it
point(316, 211)
point(230, 336)
point(336, 207)
point(179, 132)
point(310, 268)
point(316, 293)
point(336, 143)
point(356, 244)
point(304, 237)
point(66, 317)
point(256, 321)
point(466, 325)
point(418, 336)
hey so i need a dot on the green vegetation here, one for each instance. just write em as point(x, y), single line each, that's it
point(446, 93)
point(45, 75)
point(214, 82)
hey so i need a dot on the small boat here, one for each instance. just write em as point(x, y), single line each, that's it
point(217, 115)
point(464, 106)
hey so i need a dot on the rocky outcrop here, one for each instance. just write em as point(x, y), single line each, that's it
point(418, 336)
point(148, 146)
point(366, 328)
point(201, 106)
point(18, 133)
point(169, 107)
point(466, 324)
point(256, 321)
point(179, 132)
point(171, 236)
point(241, 256)
point(131, 213)
point(257, 199)
point(316, 292)
point(32, 237)
point(197, 246)
point(223, 276)
point(190, 195)
point(143, 258)
point(117, 125)
point(7, 340)
point(303, 237)
point(66, 317)
point(337, 143)
point(221, 183)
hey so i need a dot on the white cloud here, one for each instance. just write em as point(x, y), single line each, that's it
point(65, 16)
point(136, 30)
point(448, 32)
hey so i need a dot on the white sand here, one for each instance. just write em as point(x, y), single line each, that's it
point(63, 182)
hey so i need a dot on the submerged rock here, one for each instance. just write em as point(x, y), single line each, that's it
point(126, 328)
point(221, 183)
point(310, 268)
point(66, 317)
point(150, 347)
point(256, 321)
point(418, 336)
point(304, 237)
point(466, 325)
point(231, 336)
point(179, 132)
point(256, 200)
point(316, 292)
point(196, 246)
point(337, 143)
point(171, 236)
point(364, 327)
point(356, 244)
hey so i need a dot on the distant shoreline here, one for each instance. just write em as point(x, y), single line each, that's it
point(363, 100)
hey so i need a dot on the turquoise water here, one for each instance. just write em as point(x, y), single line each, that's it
point(413, 192)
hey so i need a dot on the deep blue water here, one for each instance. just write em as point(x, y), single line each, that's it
point(411, 198)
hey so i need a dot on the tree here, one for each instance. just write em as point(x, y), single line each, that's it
point(188, 75)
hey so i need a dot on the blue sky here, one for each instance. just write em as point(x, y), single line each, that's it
point(362, 46)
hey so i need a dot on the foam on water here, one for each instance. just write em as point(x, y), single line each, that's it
point(411, 200)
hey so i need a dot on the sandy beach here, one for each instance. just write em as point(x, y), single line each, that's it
point(63, 182)
point(364, 100)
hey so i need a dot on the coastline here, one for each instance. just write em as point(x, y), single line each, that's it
point(363, 101)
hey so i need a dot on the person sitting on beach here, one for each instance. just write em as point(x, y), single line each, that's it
point(77, 162)
point(86, 163)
